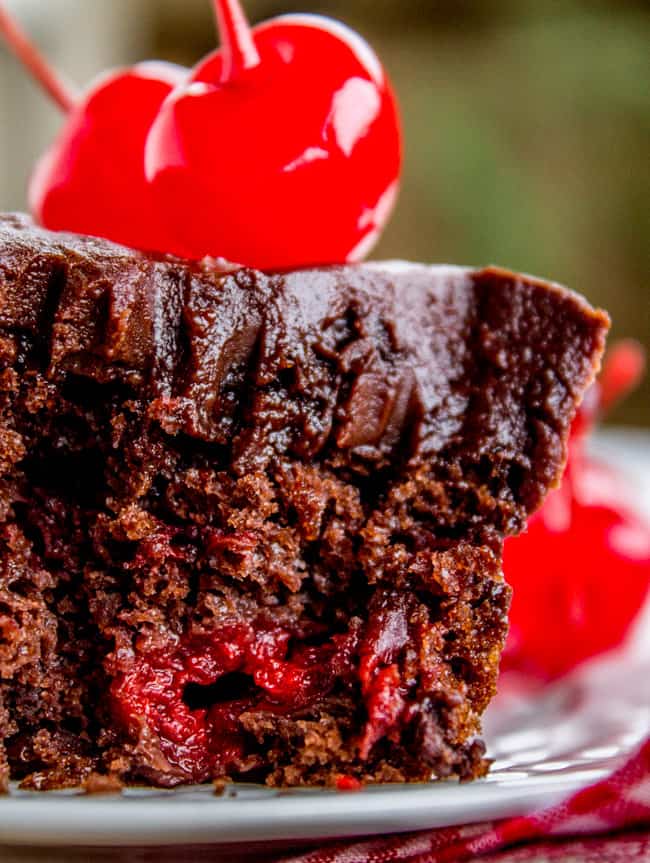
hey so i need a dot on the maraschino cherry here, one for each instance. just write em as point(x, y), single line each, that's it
point(91, 180)
point(283, 148)
point(582, 571)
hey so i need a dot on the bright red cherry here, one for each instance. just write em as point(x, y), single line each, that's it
point(283, 149)
point(582, 571)
point(91, 180)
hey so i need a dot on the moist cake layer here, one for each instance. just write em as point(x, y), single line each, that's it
point(251, 525)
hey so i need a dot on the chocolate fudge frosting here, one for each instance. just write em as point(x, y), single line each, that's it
point(362, 364)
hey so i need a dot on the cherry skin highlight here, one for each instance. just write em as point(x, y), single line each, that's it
point(581, 573)
point(283, 150)
point(91, 181)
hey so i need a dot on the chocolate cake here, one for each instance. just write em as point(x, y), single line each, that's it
point(251, 525)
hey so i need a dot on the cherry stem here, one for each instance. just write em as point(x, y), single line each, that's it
point(237, 43)
point(33, 60)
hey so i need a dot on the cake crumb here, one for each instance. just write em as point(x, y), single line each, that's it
point(219, 786)
point(98, 783)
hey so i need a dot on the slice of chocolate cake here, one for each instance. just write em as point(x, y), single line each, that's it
point(251, 525)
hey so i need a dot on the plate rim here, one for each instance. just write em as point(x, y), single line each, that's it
point(34, 819)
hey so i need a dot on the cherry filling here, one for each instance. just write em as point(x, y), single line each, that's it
point(188, 702)
point(192, 698)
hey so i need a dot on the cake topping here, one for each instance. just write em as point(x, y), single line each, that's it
point(282, 149)
point(91, 180)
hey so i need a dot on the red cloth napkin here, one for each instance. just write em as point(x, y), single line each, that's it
point(578, 829)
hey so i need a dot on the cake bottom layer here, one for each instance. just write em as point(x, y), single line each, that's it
point(165, 620)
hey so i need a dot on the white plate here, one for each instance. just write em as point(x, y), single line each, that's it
point(544, 746)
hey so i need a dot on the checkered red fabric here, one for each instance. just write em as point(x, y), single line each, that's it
point(607, 822)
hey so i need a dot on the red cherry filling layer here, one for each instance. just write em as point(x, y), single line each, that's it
point(193, 697)
point(189, 701)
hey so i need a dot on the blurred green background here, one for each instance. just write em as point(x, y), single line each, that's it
point(527, 127)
